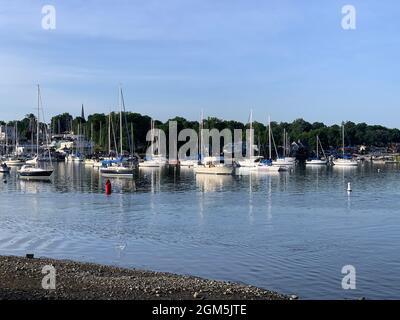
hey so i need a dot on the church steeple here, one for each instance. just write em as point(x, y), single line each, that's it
point(83, 113)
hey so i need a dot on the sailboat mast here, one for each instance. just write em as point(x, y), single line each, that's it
point(201, 134)
point(317, 146)
point(120, 120)
point(109, 133)
point(284, 142)
point(251, 134)
point(343, 138)
point(269, 138)
point(152, 136)
point(38, 123)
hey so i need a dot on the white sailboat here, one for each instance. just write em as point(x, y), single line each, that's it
point(155, 160)
point(344, 162)
point(15, 160)
point(284, 160)
point(267, 165)
point(317, 161)
point(210, 165)
point(116, 168)
point(251, 161)
point(33, 172)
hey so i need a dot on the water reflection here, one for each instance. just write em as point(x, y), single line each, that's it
point(283, 231)
point(212, 183)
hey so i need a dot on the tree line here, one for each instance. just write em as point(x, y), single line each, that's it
point(136, 126)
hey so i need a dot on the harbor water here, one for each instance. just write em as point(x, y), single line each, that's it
point(291, 232)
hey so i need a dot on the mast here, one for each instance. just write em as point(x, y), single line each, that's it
point(6, 139)
point(109, 133)
point(201, 134)
point(251, 135)
point(132, 137)
point(269, 138)
point(317, 147)
point(284, 142)
point(120, 121)
point(152, 136)
point(38, 123)
point(91, 138)
point(343, 138)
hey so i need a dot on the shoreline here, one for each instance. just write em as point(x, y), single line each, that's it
point(21, 279)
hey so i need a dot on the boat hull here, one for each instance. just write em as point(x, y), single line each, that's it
point(39, 175)
point(316, 163)
point(214, 170)
point(342, 163)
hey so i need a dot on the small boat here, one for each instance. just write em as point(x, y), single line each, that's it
point(30, 172)
point(286, 161)
point(117, 171)
point(317, 161)
point(15, 162)
point(214, 169)
point(33, 172)
point(251, 162)
point(154, 160)
point(266, 166)
point(345, 161)
point(4, 168)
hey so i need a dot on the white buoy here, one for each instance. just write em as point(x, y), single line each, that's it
point(349, 187)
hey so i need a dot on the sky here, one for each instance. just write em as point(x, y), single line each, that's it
point(288, 59)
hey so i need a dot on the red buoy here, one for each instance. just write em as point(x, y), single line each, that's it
point(108, 187)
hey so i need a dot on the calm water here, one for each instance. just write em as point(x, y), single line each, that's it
point(291, 232)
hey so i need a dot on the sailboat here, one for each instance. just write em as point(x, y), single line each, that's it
point(32, 172)
point(317, 161)
point(267, 164)
point(155, 160)
point(209, 164)
point(15, 160)
point(345, 161)
point(284, 161)
point(251, 161)
point(116, 168)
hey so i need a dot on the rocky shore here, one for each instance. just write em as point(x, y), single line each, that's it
point(21, 278)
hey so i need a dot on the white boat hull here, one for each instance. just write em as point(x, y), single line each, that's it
point(214, 170)
point(316, 162)
point(345, 163)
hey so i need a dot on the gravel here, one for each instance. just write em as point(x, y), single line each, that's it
point(21, 279)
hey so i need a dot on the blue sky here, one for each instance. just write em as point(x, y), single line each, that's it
point(289, 59)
